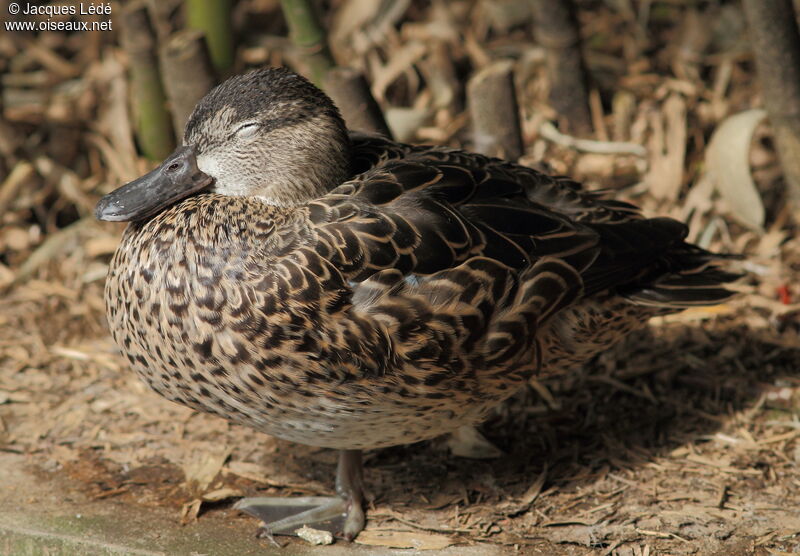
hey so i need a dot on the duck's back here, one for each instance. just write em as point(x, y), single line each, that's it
point(559, 193)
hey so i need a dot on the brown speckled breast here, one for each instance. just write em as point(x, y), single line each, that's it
point(224, 305)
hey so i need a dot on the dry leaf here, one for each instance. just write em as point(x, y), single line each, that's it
point(418, 540)
point(248, 470)
point(6, 276)
point(578, 534)
point(351, 17)
point(533, 491)
point(14, 397)
point(22, 175)
point(201, 468)
point(113, 123)
point(728, 164)
point(504, 15)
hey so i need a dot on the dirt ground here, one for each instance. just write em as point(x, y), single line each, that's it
point(684, 439)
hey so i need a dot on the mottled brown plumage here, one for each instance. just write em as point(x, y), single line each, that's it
point(394, 307)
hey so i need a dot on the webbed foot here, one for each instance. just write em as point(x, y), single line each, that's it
point(341, 515)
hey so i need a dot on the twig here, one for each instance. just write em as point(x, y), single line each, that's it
point(613, 547)
point(20, 175)
point(621, 386)
point(660, 535)
point(549, 132)
point(396, 517)
point(53, 246)
point(7, 139)
point(722, 497)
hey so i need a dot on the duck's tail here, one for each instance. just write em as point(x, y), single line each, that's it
point(648, 262)
point(694, 280)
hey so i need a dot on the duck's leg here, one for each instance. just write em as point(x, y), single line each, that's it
point(342, 515)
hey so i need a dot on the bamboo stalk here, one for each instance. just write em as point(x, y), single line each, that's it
point(776, 44)
point(213, 17)
point(160, 15)
point(555, 28)
point(187, 73)
point(308, 35)
point(151, 118)
point(350, 91)
point(494, 111)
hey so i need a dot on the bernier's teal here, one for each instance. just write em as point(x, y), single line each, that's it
point(346, 291)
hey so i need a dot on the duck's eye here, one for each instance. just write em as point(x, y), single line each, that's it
point(247, 130)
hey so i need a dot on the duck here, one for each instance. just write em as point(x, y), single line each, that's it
point(342, 290)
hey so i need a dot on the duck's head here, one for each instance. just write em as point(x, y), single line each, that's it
point(268, 134)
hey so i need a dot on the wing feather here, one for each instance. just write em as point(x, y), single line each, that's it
point(423, 210)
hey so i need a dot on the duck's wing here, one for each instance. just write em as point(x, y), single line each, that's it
point(457, 267)
point(479, 317)
point(421, 210)
point(421, 216)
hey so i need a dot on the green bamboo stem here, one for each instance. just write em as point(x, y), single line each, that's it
point(213, 17)
point(151, 117)
point(309, 36)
